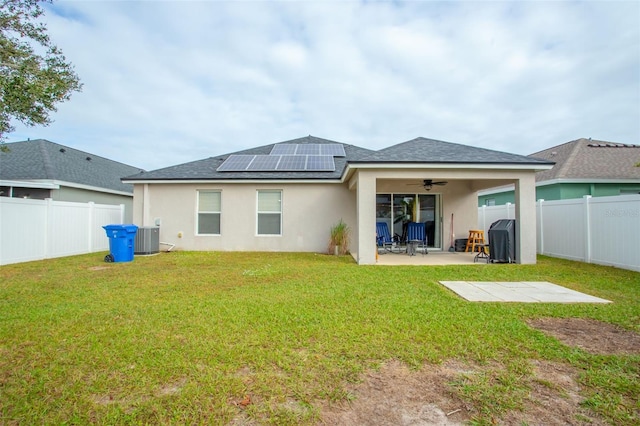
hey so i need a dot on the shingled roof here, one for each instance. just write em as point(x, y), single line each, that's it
point(431, 151)
point(419, 150)
point(207, 169)
point(591, 159)
point(41, 159)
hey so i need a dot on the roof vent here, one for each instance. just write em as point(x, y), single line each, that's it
point(63, 150)
point(88, 158)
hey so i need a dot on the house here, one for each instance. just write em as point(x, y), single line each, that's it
point(42, 169)
point(583, 167)
point(286, 196)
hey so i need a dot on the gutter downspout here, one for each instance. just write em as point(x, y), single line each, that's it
point(145, 205)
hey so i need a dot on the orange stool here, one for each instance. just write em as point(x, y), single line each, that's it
point(476, 237)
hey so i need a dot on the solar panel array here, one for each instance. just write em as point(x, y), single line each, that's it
point(274, 163)
point(287, 157)
point(333, 149)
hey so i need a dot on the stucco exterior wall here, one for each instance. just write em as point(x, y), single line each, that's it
point(309, 210)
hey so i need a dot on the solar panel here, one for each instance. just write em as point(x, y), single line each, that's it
point(292, 162)
point(264, 163)
point(308, 157)
point(320, 163)
point(308, 149)
point(284, 149)
point(334, 149)
point(236, 163)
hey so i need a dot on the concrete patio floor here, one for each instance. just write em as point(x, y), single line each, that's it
point(527, 292)
point(432, 258)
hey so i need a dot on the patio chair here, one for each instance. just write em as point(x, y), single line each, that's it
point(383, 237)
point(416, 238)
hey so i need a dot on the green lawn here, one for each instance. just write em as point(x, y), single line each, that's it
point(183, 337)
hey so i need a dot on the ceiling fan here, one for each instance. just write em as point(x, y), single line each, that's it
point(427, 184)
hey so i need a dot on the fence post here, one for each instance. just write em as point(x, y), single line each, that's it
point(92, 220)
point(587, 230)
point(48, 228)
point(508, 206)
point(540, 226)
point(484, 217)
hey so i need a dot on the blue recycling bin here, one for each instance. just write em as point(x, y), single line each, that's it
point(121, 242)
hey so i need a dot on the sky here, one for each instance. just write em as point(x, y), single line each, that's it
point(168, 82)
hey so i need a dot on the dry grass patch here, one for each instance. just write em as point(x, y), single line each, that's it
point(593, 336)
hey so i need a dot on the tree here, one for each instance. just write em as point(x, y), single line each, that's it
point(34, 74)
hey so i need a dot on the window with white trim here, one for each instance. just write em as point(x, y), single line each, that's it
point(209, 211)
point(269, 212)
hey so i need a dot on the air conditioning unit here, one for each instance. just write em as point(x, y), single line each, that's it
point(147, 240)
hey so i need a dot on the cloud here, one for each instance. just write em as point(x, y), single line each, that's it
point(170, 82)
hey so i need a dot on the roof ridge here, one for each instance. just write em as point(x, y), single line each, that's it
point(575, 149)
point(553, 147)
point(46, 159)
point(44, 142)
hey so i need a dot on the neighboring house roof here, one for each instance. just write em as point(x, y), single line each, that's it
point(590, 159)
point(419, 150)
point(422, 150)
point(44, 160)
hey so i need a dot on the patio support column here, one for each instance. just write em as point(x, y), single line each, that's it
point(366, 215)
point(526, 219)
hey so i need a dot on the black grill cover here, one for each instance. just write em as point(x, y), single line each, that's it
point(502, 241)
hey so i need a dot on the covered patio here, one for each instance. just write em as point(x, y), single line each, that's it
point(450, 209)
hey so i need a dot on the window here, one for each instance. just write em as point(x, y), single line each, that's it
point(269, 212)
point(209, 208)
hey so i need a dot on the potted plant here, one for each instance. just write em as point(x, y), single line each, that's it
point(339, 239)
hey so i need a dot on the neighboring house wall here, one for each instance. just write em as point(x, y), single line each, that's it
point(32, 193)
point(564, 191)
point(78, 195)
point(497, 199)
point(309, 210)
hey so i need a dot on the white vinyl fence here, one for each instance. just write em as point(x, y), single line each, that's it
point(43, 229)
point(602, 230)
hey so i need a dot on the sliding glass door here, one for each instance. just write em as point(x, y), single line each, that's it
point(396, 210)
point(429, 205)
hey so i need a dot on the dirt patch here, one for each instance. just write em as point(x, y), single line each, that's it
point(396, 395)
point(593, 336)
point(554, 399)
point(98, 268)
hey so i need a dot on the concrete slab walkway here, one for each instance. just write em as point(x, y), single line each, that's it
point(528, 292)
